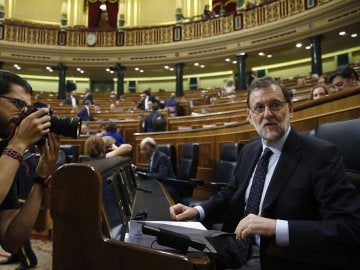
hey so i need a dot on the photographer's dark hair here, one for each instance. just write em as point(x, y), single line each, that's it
point(8, 78)
point(264, 82)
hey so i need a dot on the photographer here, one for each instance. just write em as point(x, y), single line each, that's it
point(20, 129)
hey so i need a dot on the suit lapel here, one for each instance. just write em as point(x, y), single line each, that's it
point(287, 163)
point(250, 164)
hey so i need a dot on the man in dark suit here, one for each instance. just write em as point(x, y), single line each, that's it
point(71, 99)
point(143, 104)
point(84, 114)
point(309, 214)
point(88, 96)
point(159, 163)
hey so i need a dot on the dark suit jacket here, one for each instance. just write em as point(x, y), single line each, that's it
point(309, 189)
point(141, 105)
point(161, 167)
point(68, 101)
point(148, 122)
point(84, 115)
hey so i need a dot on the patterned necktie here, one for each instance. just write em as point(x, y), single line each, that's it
point(252, 206)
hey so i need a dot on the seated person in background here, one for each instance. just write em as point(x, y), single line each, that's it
point(229, 88)
point(88, 96)
point(289, 202)
point(95, 148)
point(159, 163)
point(86, 130)
point(213, 100)
point(344, 78)
point(112, 131)
point(207, 13)
point(109, 143)
point(318, 92)
point(322, 79)
point(172, 104)
point(102, 129)
point(84, 114)
point(150, 120)
point(301, 82)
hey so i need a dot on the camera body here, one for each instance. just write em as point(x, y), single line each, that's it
point(60, 125)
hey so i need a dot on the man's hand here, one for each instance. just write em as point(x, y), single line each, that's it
point(182, 212)
point(49, 156)
point(32, 128)
point(253, 224)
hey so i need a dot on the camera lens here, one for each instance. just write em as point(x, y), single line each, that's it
point(61, 125)
point(66, 126)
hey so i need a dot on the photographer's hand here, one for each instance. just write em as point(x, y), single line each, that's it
point(31, 129)
point(48, 156)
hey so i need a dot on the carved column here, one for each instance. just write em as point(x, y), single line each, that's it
point(241, 74)
point(62, 78)
point(179, 79)
point(316, 61)
point(120, 71)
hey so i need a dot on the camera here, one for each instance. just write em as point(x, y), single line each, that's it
point(60, 125)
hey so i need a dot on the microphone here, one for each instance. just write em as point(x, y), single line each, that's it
point(172, 239)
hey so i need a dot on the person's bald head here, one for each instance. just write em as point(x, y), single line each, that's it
point(147, 147)
point(148, 142)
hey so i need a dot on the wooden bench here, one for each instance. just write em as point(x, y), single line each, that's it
point(81, 237)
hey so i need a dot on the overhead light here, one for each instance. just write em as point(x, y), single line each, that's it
point(269, 55)
point(103, 7)
point(227, 60)
point(137, 68)
point(298, 45)
point(171, 69)
point(308, 47)
point(141, 70)
point(202, 66)
point(342, 33)
point(234, 62)
point(111, 71)
point(166, 67)
point(354, 35)
point(107, 69)
point(196, 64)
point(261, 53)
point(78, 69)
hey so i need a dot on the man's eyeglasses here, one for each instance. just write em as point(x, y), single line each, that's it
point(273, 106)
point(20, 104)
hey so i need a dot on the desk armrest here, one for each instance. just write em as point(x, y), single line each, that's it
point(215, 185)
point(190, 182)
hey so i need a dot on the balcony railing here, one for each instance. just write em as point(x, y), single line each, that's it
point(38, 34)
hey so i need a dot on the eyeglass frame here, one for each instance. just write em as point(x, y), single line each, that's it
point(281, 103)
point(18, 103)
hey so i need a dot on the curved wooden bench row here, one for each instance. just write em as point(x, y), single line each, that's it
point(307, 116)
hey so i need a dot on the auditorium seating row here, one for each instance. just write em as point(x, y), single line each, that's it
point(307, 116)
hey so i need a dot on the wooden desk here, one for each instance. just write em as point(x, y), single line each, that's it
point(79, 241)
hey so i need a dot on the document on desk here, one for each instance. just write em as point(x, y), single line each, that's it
point(195, 230)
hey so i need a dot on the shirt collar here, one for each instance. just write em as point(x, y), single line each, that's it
point(277, 147)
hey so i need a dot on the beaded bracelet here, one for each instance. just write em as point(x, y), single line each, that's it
point(13, 153)
point(43, 181)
